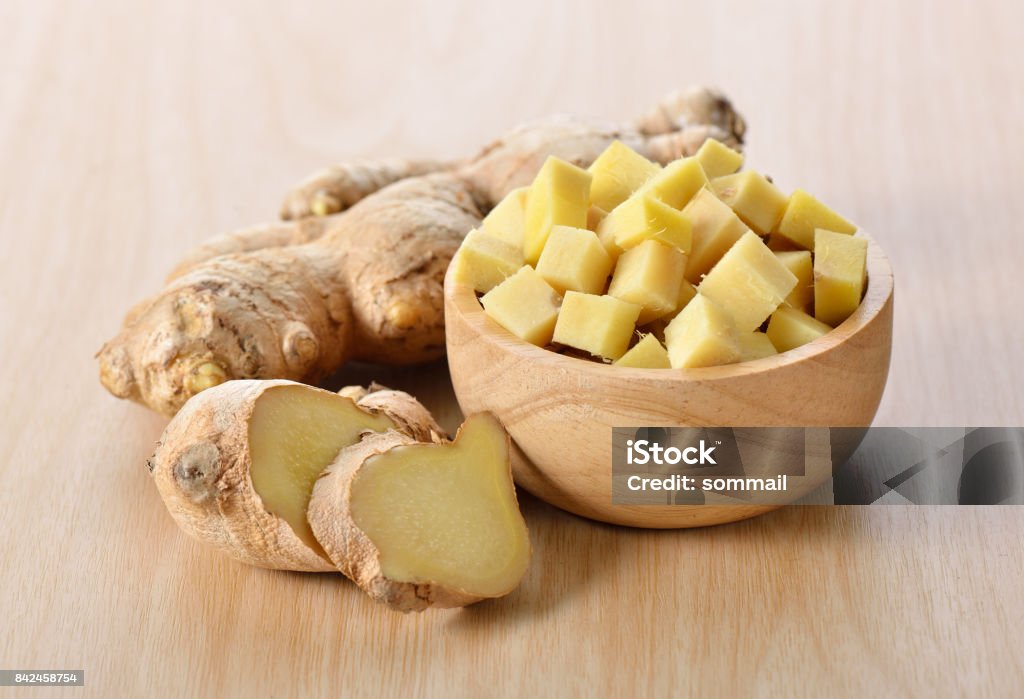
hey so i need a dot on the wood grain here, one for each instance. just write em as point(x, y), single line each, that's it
point(131, 131)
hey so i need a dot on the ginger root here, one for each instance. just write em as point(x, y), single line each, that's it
point(419, 525)
point(287, 476)
point(296, 300)
point(237, 465)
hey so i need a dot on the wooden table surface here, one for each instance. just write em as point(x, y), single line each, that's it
point(131, 131)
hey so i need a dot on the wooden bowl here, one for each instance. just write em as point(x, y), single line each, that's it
point(560, 410)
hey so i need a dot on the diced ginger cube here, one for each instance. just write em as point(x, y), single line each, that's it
point(650, 276)
point(840, 274)
point(649, 353)
point(748, 282)
point(643, 217)
point(714, 229)
point(800, 264)
point(803, 215)
point(677, 182)
point(525, 305)
point(618, 172)
point(507, 220)
point(703, 334)
point(484, 261)
point(755, 345)
point(790, 328)
point(601, 325)
point(559, 196)
point(718, 159)
point(754, 199)
point(574, 259)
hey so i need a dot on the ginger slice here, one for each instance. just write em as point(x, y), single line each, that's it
point(418, 525)
point(294, 434)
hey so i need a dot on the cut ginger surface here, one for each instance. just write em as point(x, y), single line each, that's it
point(445, 512)
point(425, 524)
point(294, 434)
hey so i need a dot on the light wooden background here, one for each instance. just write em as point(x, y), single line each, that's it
point(131, 131)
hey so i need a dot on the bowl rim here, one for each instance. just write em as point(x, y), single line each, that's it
point(878, 295)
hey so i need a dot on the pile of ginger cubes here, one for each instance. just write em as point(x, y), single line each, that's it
point(689, 265)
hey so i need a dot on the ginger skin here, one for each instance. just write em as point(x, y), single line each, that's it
point(337, 188)
point(298, 299)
